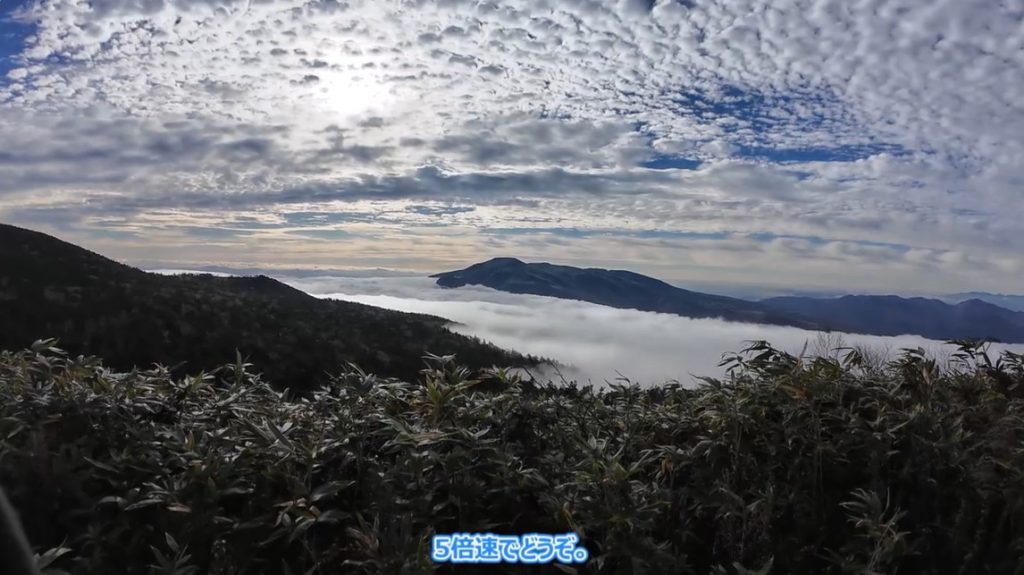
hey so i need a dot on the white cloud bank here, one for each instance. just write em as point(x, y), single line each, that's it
point(599, 342)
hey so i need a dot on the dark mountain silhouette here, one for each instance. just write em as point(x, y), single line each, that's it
point(614, 288)
point(876, 315)
point(1011, 302)
point(894, 315)
point(50, 288)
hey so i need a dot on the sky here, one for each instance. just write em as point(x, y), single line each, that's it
point(850, 145)
point(597, 344)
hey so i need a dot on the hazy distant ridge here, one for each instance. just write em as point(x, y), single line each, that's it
point(613, 288)
point(894, 315)
point(866, 314)
point(1011, 302)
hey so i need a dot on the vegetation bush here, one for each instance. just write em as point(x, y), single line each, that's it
point(831, 464)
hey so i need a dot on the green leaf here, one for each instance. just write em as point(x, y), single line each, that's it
point(329, 489)
point(143, 503)
point(101, 465)
point(46, 559)
point(171, 543)
point(111, 500)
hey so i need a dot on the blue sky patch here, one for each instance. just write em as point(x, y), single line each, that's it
point(12, 37)
point(760, 125)
point(760, 110)
point(664, 162)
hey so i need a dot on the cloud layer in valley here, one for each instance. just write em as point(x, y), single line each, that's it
point(781, 142)
point(597, 343)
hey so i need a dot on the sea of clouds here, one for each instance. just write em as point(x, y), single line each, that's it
point(600, 344)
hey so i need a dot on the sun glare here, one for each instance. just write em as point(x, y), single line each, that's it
point(349, 97)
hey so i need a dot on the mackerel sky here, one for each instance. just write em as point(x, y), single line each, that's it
point(859, 145)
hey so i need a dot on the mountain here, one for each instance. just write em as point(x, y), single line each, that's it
point(1011, 302)
point(894, 315)
point(50, 288)
point(614, 288)
point(875, 315)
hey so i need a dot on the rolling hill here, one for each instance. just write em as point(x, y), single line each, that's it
point(894, 315)
point(874, 315)
point(613, 288)
point(1011, 302)
point(94, 305)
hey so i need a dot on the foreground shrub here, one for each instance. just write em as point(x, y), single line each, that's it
point(788, 465)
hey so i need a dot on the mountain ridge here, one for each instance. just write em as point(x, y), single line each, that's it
point(897, 315)
point(1007, 301)
point(865, 314)
point(50, 288)
point(615, 288)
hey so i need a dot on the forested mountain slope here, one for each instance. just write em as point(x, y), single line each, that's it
point(50, 288)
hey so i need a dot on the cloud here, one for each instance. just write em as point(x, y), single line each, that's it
point(775, 74)
point(597, 343)
point(889, 133)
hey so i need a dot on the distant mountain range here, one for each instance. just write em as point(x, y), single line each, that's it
point(867, 314)
point(613, 288)
point(894, 315)
point(1011, 302)
point(50, 288)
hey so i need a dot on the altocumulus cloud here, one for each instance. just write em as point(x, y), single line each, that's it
point(597, 343)
point(884, 138)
